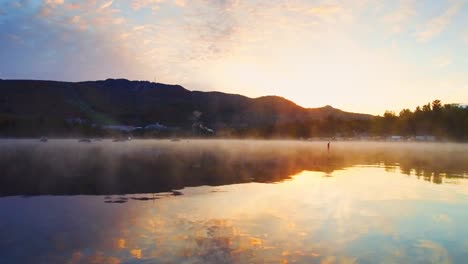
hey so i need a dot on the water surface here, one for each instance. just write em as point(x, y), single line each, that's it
point(361, 203)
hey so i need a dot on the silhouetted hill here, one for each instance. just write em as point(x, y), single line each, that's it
point(120, 101)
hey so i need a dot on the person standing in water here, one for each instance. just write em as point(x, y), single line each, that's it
point(328, 146)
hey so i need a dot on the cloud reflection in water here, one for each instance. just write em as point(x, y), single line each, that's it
point(360, 214)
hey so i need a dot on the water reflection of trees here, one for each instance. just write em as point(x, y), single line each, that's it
point(144, 167)
point(433, 166)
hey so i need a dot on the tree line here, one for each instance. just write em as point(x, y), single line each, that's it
point(435, 120)
point(444, 121)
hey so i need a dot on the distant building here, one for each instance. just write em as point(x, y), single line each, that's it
point(199, 129)
point(122, 128)
point(156, 126)
point(425, 138)
point(76, 121)
point(395, 138)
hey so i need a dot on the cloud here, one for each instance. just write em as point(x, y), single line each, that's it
point(328, 13)
point(433, 252)
point(137, 28)
point(75, 19)
point(72, 6)
point(16, 4)
point(442, 218)
point(54, 2)
point(212, 25)
point(78, 22)
point(180, 3)
point(106, 4)
point(45, 11)
point(209, 44)
point(69, 42)
point(442, 62)
point(49, 7)
point(152, 4)
point(325, 10)
point(437, 25)
point(399, 18)
point(15, 38)
point(465, 38)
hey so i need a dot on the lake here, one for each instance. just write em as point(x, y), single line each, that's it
point(232, 201)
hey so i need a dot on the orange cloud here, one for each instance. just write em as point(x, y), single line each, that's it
point(180, 3)
point(325, 10)
point(45, 11)
point(54, 2)
point(72, 6)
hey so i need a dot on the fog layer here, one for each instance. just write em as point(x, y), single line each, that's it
point(29, 167)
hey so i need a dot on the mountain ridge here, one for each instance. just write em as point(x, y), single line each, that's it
point(175, 86)
point(125, 102)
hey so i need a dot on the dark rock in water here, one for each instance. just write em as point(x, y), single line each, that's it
point(164, 194)
point(85, 140)
point(216, 191)
point(115, 201)
point(107, 197)
point(177, 193)
point(144, 198)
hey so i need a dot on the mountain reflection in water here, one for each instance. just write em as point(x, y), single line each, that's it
point(362, 214)
point(59, 167)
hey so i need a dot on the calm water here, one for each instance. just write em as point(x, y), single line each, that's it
point(362, 203)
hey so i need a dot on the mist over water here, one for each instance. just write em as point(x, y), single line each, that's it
point(29, 167)
point(234, 201)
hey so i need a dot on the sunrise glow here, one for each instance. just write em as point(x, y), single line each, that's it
point(361, 56)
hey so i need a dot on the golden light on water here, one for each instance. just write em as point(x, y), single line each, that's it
point(136, 253)
point(121, 243)
point(310, 216)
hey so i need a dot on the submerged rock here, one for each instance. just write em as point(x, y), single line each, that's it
point(115, 201)
point(177, 193)
point(144, 198)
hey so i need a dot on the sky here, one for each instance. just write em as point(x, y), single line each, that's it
point(357, 55)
